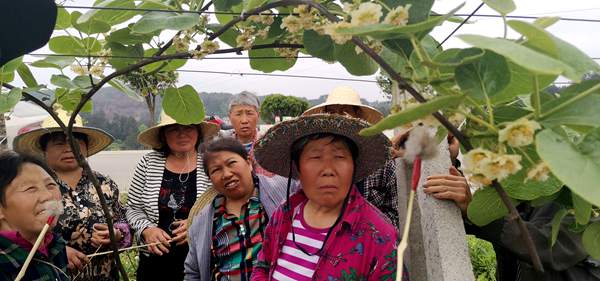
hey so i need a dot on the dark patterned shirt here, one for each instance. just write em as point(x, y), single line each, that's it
point(49, 266)
point(82, 211)
point(237, 241)
point(380, 190)
point(176, 197)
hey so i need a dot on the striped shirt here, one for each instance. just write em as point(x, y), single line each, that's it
point(294, 264)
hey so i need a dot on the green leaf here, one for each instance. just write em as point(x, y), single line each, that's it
point(486, 207)
point(112, 17)
point(9, 99)
point(67, 45)
point(269, 65)
point(583, 209)
point(537, 38)
point(83, 81)
point(516, 186)
point(7, 71)
point(184, 105)
point(358, 65)
point(163, 65)
point(385, 31)
point(119, 52)
point(576, 166)
point(228, 37)
point(503, 7)
point(26, 76)
point(92, 45)
point(62, 81)
point(545, 22)
point(397, 61)
point(125, 36)
point(521, 83)
point(57, 62)
point(412, 114)
point(483, 78)
point(63, 19)
point(117, 84)
point(583, 112)
point(154, 21)
point(69, 99)
point(455, 57)
point(251, 4)
point(591, 240)
point(90, 27)
point(234, 6)
point(320, 46)
point(534, 61)
point(556, 221)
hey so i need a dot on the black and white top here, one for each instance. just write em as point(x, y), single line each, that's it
point(142, 201)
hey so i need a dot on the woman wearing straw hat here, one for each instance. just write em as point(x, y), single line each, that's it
point(83, 223)
point(227, 232)
point(379, 188)
point(325, 231)
point(165, 185)
point(28, 193)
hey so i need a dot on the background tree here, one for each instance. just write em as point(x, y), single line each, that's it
point(280, 105)
point(150, 85)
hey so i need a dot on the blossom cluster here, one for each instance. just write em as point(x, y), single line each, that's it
point(486, 166)
point(207, 47)
point(519, 133)
point(98, 66)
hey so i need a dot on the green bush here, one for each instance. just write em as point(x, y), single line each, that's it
point(483, 259)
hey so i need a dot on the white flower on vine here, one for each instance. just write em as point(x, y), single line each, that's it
point(263, 33)
point(78, 69)
point(476, 159)
point(502, 166)
point(540, 172)
point(367, 13)
point(209, 47)
point(480, 179)
point(291, 23)
point(244, 41)
point(519, 133)
point(398, 16)
point(377, 46)
point(267, 18)
point(97, 70)
point(331, 30)
point(104, 55)
point(348, 7)
point(288, 53)
point(255, 18)
point(180, 44)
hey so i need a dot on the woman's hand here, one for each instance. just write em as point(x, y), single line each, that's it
point(180, 232)
point(101, 237)
point(450, 187)
point(77, 259)
point(155, 235)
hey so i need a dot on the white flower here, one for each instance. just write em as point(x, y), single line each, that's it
point(291, 23)
point(97, 70)
point(373, 44)
point(78, 69)
point(255, 18)
point(540, 172)
point(244, 41)
point(367, 13)
point(267, 18)
point(476, 159)
point(263, 33)
point(502, 166)
point(209, 47)
point(180, 44)
point(398, 16)
point(480, 179)
point(519, 133)
point(347, 7)
point(331, 30)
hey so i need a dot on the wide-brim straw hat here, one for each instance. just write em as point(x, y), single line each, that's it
point(150, 137)
point(273, 150)
point(204, 200)
point(29, 141)
point(347, 96)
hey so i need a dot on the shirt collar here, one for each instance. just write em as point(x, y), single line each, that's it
point(16, 238)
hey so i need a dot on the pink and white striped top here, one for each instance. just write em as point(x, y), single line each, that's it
point(293, 264)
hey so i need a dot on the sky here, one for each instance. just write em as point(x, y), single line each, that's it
point(584, 35)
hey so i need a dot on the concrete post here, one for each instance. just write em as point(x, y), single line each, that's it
point(3, 135)
point(437, 247)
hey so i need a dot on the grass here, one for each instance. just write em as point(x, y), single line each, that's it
point(483, 259)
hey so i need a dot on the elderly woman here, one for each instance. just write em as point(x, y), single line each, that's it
point(227, 233)
point(83, 223)
point(27, 192)
point(165, 185)
point(327, 230)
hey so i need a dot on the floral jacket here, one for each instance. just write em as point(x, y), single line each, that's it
point(361, 247)
point(82, 211)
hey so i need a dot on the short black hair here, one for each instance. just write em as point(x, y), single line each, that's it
point(11, 163)
point(165, 149)
point(45, 139)
point(298, 145)
point(222, 144)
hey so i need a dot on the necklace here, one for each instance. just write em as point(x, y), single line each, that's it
point(186, 167)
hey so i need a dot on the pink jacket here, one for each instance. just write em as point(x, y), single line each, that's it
point(361, 247)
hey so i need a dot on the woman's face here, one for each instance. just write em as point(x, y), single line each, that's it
point(59, 155)
point(181, 138)
point(230, 174)
point(24, 209)
point(325, 171)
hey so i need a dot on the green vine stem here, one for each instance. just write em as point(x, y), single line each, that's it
point(536, 101)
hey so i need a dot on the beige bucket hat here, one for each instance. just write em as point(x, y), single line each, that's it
point(347, 96)
point(150, 138)
point(29, 141)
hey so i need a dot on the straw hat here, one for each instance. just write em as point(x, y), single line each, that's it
point(29, 141)
point(347, 96)
point(150, 137)
point(206, 198)
point(273, 150)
